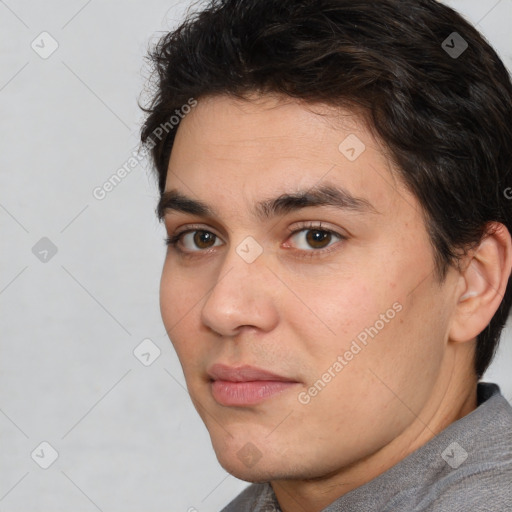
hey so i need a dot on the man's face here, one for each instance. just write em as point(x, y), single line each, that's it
point(340, 300)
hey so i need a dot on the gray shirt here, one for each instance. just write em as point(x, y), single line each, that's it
point(466, 467)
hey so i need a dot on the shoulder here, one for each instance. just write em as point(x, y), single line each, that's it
point(481, 479)
point(479, 489)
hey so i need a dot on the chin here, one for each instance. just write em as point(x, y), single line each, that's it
point(249, 475)
point(259, 474)
point(249, 464)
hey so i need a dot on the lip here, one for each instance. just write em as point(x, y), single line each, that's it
point(243, 373)
point(245, 385)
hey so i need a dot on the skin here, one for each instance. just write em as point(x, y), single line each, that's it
point(296, 308)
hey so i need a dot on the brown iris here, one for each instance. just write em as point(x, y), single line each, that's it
point(318, 239)
point(204, 239)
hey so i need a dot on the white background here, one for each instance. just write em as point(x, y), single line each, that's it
point(127, 435)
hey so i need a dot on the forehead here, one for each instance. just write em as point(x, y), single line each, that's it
point(237, 152)
point(273, 123)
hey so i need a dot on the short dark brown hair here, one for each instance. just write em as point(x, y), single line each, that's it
point(443, 111)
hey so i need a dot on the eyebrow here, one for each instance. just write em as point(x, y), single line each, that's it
point(322, 195)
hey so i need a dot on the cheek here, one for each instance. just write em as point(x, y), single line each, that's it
point(179, 292)
point(178, 307)
point(374, 324)
point(401, 364)
point(333, 313)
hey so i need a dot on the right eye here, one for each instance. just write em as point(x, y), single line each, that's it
point(193, 240)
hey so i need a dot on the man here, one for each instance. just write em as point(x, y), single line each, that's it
point(339, 251)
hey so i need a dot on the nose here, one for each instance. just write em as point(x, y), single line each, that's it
point(243, 296)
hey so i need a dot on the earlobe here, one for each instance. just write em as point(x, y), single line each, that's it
point(482, 283)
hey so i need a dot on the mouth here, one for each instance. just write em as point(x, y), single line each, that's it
point(245, 385)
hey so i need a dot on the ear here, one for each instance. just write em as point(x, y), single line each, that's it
point(482, 284)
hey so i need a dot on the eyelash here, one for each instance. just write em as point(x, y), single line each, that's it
point(174, 241)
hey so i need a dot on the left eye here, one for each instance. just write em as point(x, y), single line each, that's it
point(314, 238)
